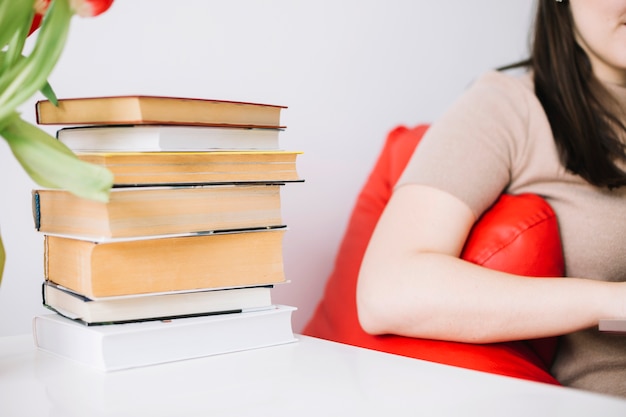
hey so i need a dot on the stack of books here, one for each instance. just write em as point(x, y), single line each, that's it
point(181, 261)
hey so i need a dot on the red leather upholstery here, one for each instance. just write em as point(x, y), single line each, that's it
point(519, 234)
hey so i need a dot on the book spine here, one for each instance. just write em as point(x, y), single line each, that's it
point(43, 293)
point(69, 341)
point(36, 210)
point(46, 271)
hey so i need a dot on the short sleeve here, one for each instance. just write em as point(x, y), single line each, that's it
point(471, 151)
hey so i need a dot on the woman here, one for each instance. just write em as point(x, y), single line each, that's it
point(557, 131)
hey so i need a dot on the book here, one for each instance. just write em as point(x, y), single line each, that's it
point(166, 263)
point(143, 109)
point(156, 138)
point(612, 325)
point(122, 346)
point(153, 306)
point(150, 211)
point(218, 167)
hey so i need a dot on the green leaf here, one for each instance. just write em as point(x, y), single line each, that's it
point(51, 164)
point(3, 257)
point(15, 15)
point(46, 90)
point(23, 79)
point(16, 45)
point(49, 93)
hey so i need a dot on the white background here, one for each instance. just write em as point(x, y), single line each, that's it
point(348, 70)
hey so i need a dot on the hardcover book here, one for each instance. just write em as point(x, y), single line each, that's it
point(157, 306)
point(166, 263)
point(140, 109)
point(219, 167)
point(156, 138)
point(121, 346)
point(150, 211)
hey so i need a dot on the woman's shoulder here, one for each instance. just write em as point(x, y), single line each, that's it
point(503, 95)
point(507, 83)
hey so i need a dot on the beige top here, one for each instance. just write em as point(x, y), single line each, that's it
point(496, 138)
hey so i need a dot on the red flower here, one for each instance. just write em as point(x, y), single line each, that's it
point(40, 6)
point(83, 8)
point(36, 23)
point(88, 8)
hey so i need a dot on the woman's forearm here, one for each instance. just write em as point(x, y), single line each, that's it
point(412, 282)
point(439, 297)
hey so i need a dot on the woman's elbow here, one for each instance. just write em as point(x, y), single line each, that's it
point(371, 310)
point(369, 319)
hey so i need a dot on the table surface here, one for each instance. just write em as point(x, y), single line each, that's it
point(305, 378)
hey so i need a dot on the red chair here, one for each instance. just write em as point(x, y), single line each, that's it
point(518, 234)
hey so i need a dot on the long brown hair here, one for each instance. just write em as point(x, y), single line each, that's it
point(584, 118)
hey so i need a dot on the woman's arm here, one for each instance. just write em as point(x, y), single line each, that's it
point(413, 283)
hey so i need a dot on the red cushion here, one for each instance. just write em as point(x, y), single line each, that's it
point(519, 234)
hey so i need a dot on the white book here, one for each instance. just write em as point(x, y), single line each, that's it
point(612, 325)
point(155, 138)
point(121, 346)
point(153, 306)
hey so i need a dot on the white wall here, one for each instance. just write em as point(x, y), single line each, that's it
point(349, 70)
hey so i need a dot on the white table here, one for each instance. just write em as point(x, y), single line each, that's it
point(311, 377)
